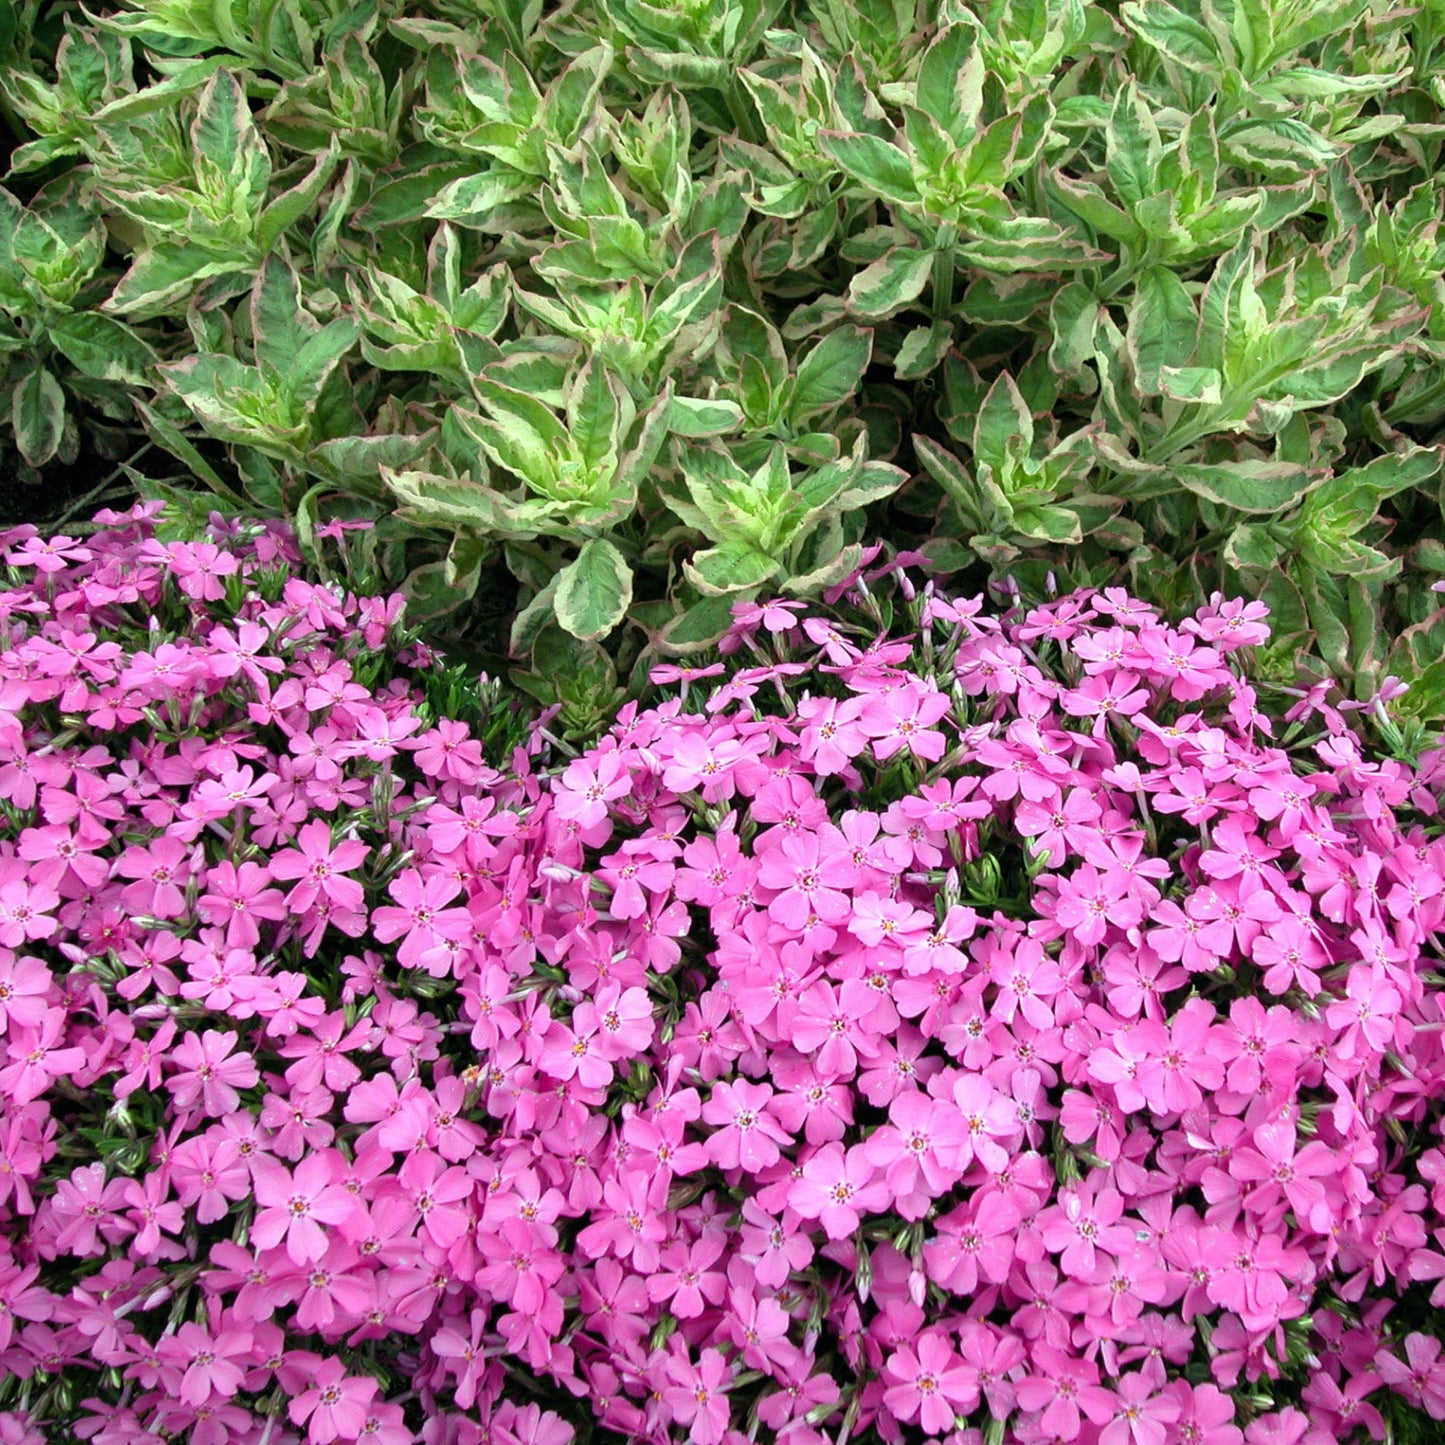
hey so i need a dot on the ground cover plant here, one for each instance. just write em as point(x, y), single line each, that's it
point(608, 315)
point(924, 1019)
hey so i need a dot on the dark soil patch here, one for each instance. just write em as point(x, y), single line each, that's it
point(62, 493)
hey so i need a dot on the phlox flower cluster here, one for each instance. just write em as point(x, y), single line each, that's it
point(925, 1023)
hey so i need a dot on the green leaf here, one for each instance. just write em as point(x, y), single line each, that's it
point(1191, 383)
point(225, 135)
point(356, 462)
point(572, 98)
point(593, 591)
point(949, 473)
point(889, 284)
point(1247, 486)
point(1345, 557)
point(691, 416)
point(594, 414)
point(37, 412)
point(433, 501)
point(1175, 35)
point(279, 323)
point(1005, 427)
point(166, 277)
point(102, 347)
point(922, 351)
point(1132, 147)
point(874, 163)
point(831, 371)
point(312, 365)
point(1048, 524)
point(291, 205)
point(1162, 326)
point(697, 628)
point(734, 566)
point(463, 567)
point(1251, 545)
point(169, 437)
point(950, 81)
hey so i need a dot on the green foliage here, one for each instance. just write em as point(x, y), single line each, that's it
point(648, 309)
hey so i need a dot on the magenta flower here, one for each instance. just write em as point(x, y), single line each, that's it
point(749, 1134)
point(586, 789)
point(697, 1395)
point(297, 1205)
point(1420, 1376)
point(213, 1073)
point(922, 1151)
point(685, 1281)
point(931, 1385)
point(1064, 1391)
point(809, 874)
point(837, 1188)
point(335, 1407)
point(37, 1056)
point(1141, 1415)
point(25, 907)
point(317, 866)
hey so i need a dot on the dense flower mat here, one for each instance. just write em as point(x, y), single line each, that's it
point(926, 1022)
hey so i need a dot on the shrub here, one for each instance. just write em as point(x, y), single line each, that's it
point(925, 1020)
point(644, 309)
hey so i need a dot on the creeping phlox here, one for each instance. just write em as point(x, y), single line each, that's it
point(926, 1022)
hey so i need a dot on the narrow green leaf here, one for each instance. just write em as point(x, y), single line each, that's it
point(1048, 524)
point(1132, 147)
point(1162, 325)
point(950, 81)
point(1171, 32)
point(572, 98)
point(735, 566)
point(922, 351)
point(1004, 427)
point(594, 414)
point(291, 205)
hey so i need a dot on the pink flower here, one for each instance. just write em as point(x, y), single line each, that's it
point(37, 1057)
point(931, 1386)
point(1064, 1391)
point(684, 1280)
point(297, 1205)
point(837, 1188)
point(336, 1405)
point(25, 907)
point(1141, 1416)
point(589, 785)
point(922, 1150)
point(903, 719)
point(829, 1024)
point(810, 874)
point(213, 1074)
point(317, 864)
point(620, 1018)
point(697, 1396)
point(1419, 1377)
point(750, 1133)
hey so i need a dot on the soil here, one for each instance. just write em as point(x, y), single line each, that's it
point(66, 494)
point(61, 493)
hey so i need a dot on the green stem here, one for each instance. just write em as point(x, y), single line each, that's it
point(944, 266)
